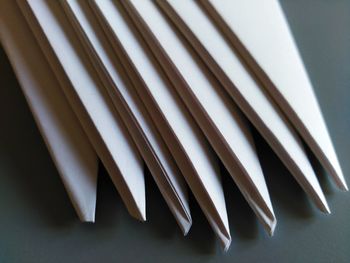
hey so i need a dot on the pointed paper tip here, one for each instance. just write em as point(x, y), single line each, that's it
point(319, 199)
point(267, 217)
point(343, 186)
point(186, 226)
point(226, 244)
point(272, 227)
point(269, 224)
point(139, 214)
point(86, 215)
point(139, 210)
point(88, 218)
point(225, 239)
point(339, 179)
point(143, 217)
point(325, 208)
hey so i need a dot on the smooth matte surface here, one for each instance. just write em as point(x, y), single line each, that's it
point(38, 224)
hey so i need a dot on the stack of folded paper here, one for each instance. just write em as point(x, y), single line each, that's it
point(173, 85)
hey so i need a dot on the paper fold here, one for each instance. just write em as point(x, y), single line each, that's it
point(140, 126)
point(89, 100)
point(223, 124)
point(247, 93)
point(183, 137)
point(68, 145)
point(259, 30)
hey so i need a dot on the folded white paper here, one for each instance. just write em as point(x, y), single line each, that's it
point(215, 112)
point(140, 125)
point(183, 137)
point(88, 98)
point(239, 83)
point(174, 85)
point(259, 30)
point(68, 145)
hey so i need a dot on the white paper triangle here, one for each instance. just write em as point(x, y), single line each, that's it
point(68, 145)
point(258, 107)
point(259, 30)
point(186, 142)
point(140, 125)
point(96, 112)
point(216, 114)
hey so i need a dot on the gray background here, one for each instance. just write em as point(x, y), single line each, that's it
point(38, 224)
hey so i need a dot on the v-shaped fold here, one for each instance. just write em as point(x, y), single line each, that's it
point(90, 101)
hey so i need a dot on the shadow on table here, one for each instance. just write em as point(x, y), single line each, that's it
point(23, 150)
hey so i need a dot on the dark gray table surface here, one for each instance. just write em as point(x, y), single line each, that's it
point(38, 224)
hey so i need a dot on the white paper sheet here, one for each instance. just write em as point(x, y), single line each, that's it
point(96, 112)
point(185, 141)
point(215, 112)
point(258, 107)
point(68, 145)
point(140, 125)
point(260, 32)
